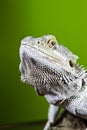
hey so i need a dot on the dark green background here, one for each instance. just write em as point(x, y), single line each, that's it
point(66, 19)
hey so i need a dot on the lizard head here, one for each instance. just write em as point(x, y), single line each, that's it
point(48, 44)
point(43, 51)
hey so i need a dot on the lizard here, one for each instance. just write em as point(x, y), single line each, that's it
point(53, 71)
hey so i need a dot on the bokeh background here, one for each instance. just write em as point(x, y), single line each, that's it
point(66, 19)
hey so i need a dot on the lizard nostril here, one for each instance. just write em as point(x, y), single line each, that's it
point(38, 42)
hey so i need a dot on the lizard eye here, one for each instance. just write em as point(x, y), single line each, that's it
point(51, 43)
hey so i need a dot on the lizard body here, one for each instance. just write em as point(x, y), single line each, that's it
point(52, 70)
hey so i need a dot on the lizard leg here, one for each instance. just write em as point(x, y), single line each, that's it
point(78, 106)
point(52, 116)
point(81, 110)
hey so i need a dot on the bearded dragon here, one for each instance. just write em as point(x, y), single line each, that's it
point(53, 71)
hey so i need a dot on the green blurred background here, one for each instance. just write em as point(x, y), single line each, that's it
point(66, 19)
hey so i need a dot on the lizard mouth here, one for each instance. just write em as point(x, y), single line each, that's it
point(38, 54)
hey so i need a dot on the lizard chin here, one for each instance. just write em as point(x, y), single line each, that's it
point(27, 65)
point(24, 65)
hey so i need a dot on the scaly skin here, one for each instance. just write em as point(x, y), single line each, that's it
point(52, 70)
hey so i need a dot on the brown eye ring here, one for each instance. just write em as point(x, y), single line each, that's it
point(51, 43)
